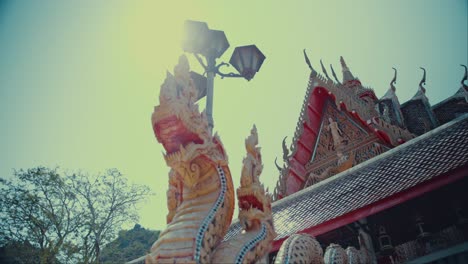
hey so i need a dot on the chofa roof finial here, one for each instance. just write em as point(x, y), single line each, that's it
point(285, 151)
point(308, 62)
point(392, 83)
point(324, 70)
point(334, 74)
point(465, 78)
point(277, 166)
point(423, 81)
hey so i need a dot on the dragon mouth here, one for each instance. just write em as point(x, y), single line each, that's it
point(172, 133)
point(250, 201)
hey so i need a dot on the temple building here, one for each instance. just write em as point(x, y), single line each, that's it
point(364, 172)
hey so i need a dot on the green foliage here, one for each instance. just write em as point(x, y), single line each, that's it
point(129, 245)
point(19, 252)
point(39, 207)
point(64, 217)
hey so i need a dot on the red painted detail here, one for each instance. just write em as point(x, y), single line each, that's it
point(313, 110)
point(315, 104)
point(353, 83)
point(381, 134)
point(384, 136)
point(308, 138)
point(304, 146)
point(302, 153)
point(172, 133)
point(314, 118)
point(310, 129)
point(331, 95)
point(250, 201)
point(358, 117)
point(370, 94)
point(296, 175)
point(293, 184)
point(343, 106)
point(295, 180)
point(297, 167)
point(391, 201)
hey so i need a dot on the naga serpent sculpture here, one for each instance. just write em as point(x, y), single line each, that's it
point(201, 192)
point(200, 197)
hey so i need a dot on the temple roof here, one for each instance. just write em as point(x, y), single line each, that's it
point(318, 92)
point(390, 94)
point(461, 93)
point(433, 156)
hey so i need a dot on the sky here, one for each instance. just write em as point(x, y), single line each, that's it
point(79, 79)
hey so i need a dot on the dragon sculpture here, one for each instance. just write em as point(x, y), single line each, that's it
point(201, 192)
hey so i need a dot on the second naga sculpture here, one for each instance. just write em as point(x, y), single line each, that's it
point(201, 192)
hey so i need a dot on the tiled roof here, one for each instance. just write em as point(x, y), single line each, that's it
point(419, 160)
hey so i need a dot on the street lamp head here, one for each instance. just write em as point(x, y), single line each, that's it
point(202, 40)
point(216, 44)
point(247, 60)
point(196, 36)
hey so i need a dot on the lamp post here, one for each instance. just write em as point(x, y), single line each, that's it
point(211, 44)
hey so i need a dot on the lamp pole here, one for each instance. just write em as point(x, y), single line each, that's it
point(210, 74)
point(211, 44)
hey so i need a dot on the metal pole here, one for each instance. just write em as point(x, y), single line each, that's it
point(209, 91)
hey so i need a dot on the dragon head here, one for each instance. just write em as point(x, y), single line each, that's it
point(177, 120)
point(180, 127)
point(254, 201)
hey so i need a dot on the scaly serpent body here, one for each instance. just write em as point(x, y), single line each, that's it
point(191, 234)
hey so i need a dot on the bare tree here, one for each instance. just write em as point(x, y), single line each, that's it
point(108, 202)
